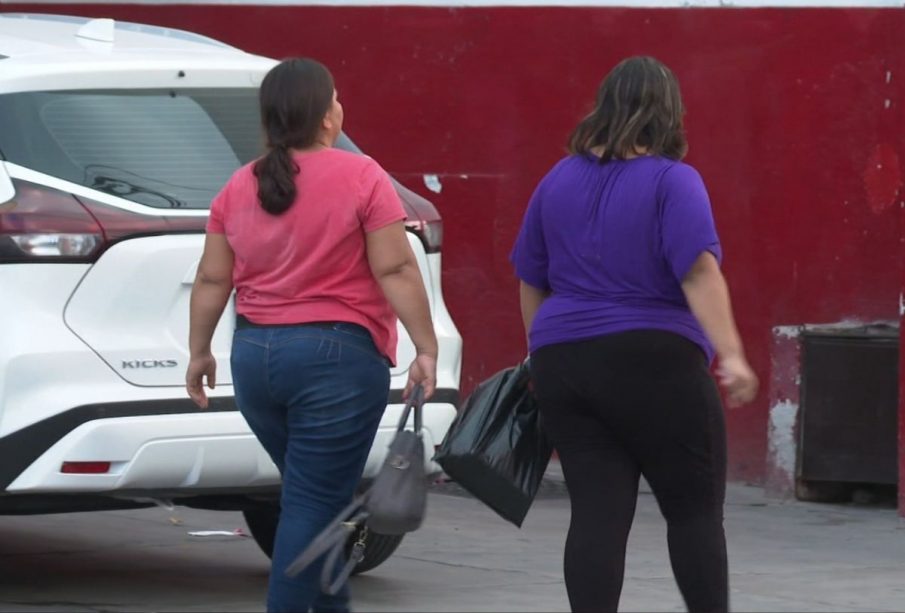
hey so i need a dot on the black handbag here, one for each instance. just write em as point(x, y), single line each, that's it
point(394, 504)
point(496, 448)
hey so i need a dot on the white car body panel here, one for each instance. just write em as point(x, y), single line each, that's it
point(166, 453)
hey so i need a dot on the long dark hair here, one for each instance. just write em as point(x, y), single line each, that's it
point(638, 105)
point(295, 96)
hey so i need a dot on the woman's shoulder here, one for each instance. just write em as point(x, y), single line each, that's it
point(568, 165)
point(243, 175)
point(573, 160)
point(236, 189)
point(347, 159)
point(353, 166)
point(675, 172)
point(677, 166)
point(242, 178)
point(647, 163)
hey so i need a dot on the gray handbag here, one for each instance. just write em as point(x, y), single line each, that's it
point(397, 499)
point(394, 504)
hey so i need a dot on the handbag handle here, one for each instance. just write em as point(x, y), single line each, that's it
point(335, 534)
point(416, 403)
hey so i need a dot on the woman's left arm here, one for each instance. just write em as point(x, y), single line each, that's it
point(530, 299)
point(210, 293)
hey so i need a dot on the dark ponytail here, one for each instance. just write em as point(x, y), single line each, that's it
point(295, 96)
point(276, 173)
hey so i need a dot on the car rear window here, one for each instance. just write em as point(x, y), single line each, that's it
point(160, 148)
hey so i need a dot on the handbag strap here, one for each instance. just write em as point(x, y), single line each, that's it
point(416, 403)
point(356, 556)
point(334, 535)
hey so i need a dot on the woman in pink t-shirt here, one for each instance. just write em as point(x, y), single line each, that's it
point(312, 240)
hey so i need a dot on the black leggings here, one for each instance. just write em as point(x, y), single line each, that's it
point(624, 405)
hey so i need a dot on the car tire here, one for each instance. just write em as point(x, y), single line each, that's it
point(262, 523)
point(378, 548)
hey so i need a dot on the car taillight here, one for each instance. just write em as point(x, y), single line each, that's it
point(42, 224)
point(423, 218)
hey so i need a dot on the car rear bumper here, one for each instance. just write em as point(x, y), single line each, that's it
point(170, 446)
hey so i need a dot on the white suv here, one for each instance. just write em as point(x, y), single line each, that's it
point(114, 137)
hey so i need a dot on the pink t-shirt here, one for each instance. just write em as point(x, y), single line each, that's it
point(310, 263)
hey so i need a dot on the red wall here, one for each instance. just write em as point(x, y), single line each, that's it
point(787, 122)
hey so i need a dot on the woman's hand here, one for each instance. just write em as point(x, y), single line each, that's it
point(738, 380)
point(424, 371)
point(200, 367)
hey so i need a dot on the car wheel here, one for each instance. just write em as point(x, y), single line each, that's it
point(262, 523)
point(378, 548)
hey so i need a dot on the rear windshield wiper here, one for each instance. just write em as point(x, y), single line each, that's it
point(129, 191)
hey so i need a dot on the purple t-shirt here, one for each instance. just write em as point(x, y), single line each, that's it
point(612, 242)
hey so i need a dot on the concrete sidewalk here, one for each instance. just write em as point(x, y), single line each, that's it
point(784, 556)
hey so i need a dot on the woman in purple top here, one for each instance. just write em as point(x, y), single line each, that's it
point(625, 307)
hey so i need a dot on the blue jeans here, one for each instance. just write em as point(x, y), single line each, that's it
point(313, 396)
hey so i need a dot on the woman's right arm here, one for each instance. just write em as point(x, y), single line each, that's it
point(394, 266)
point(708, 297)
